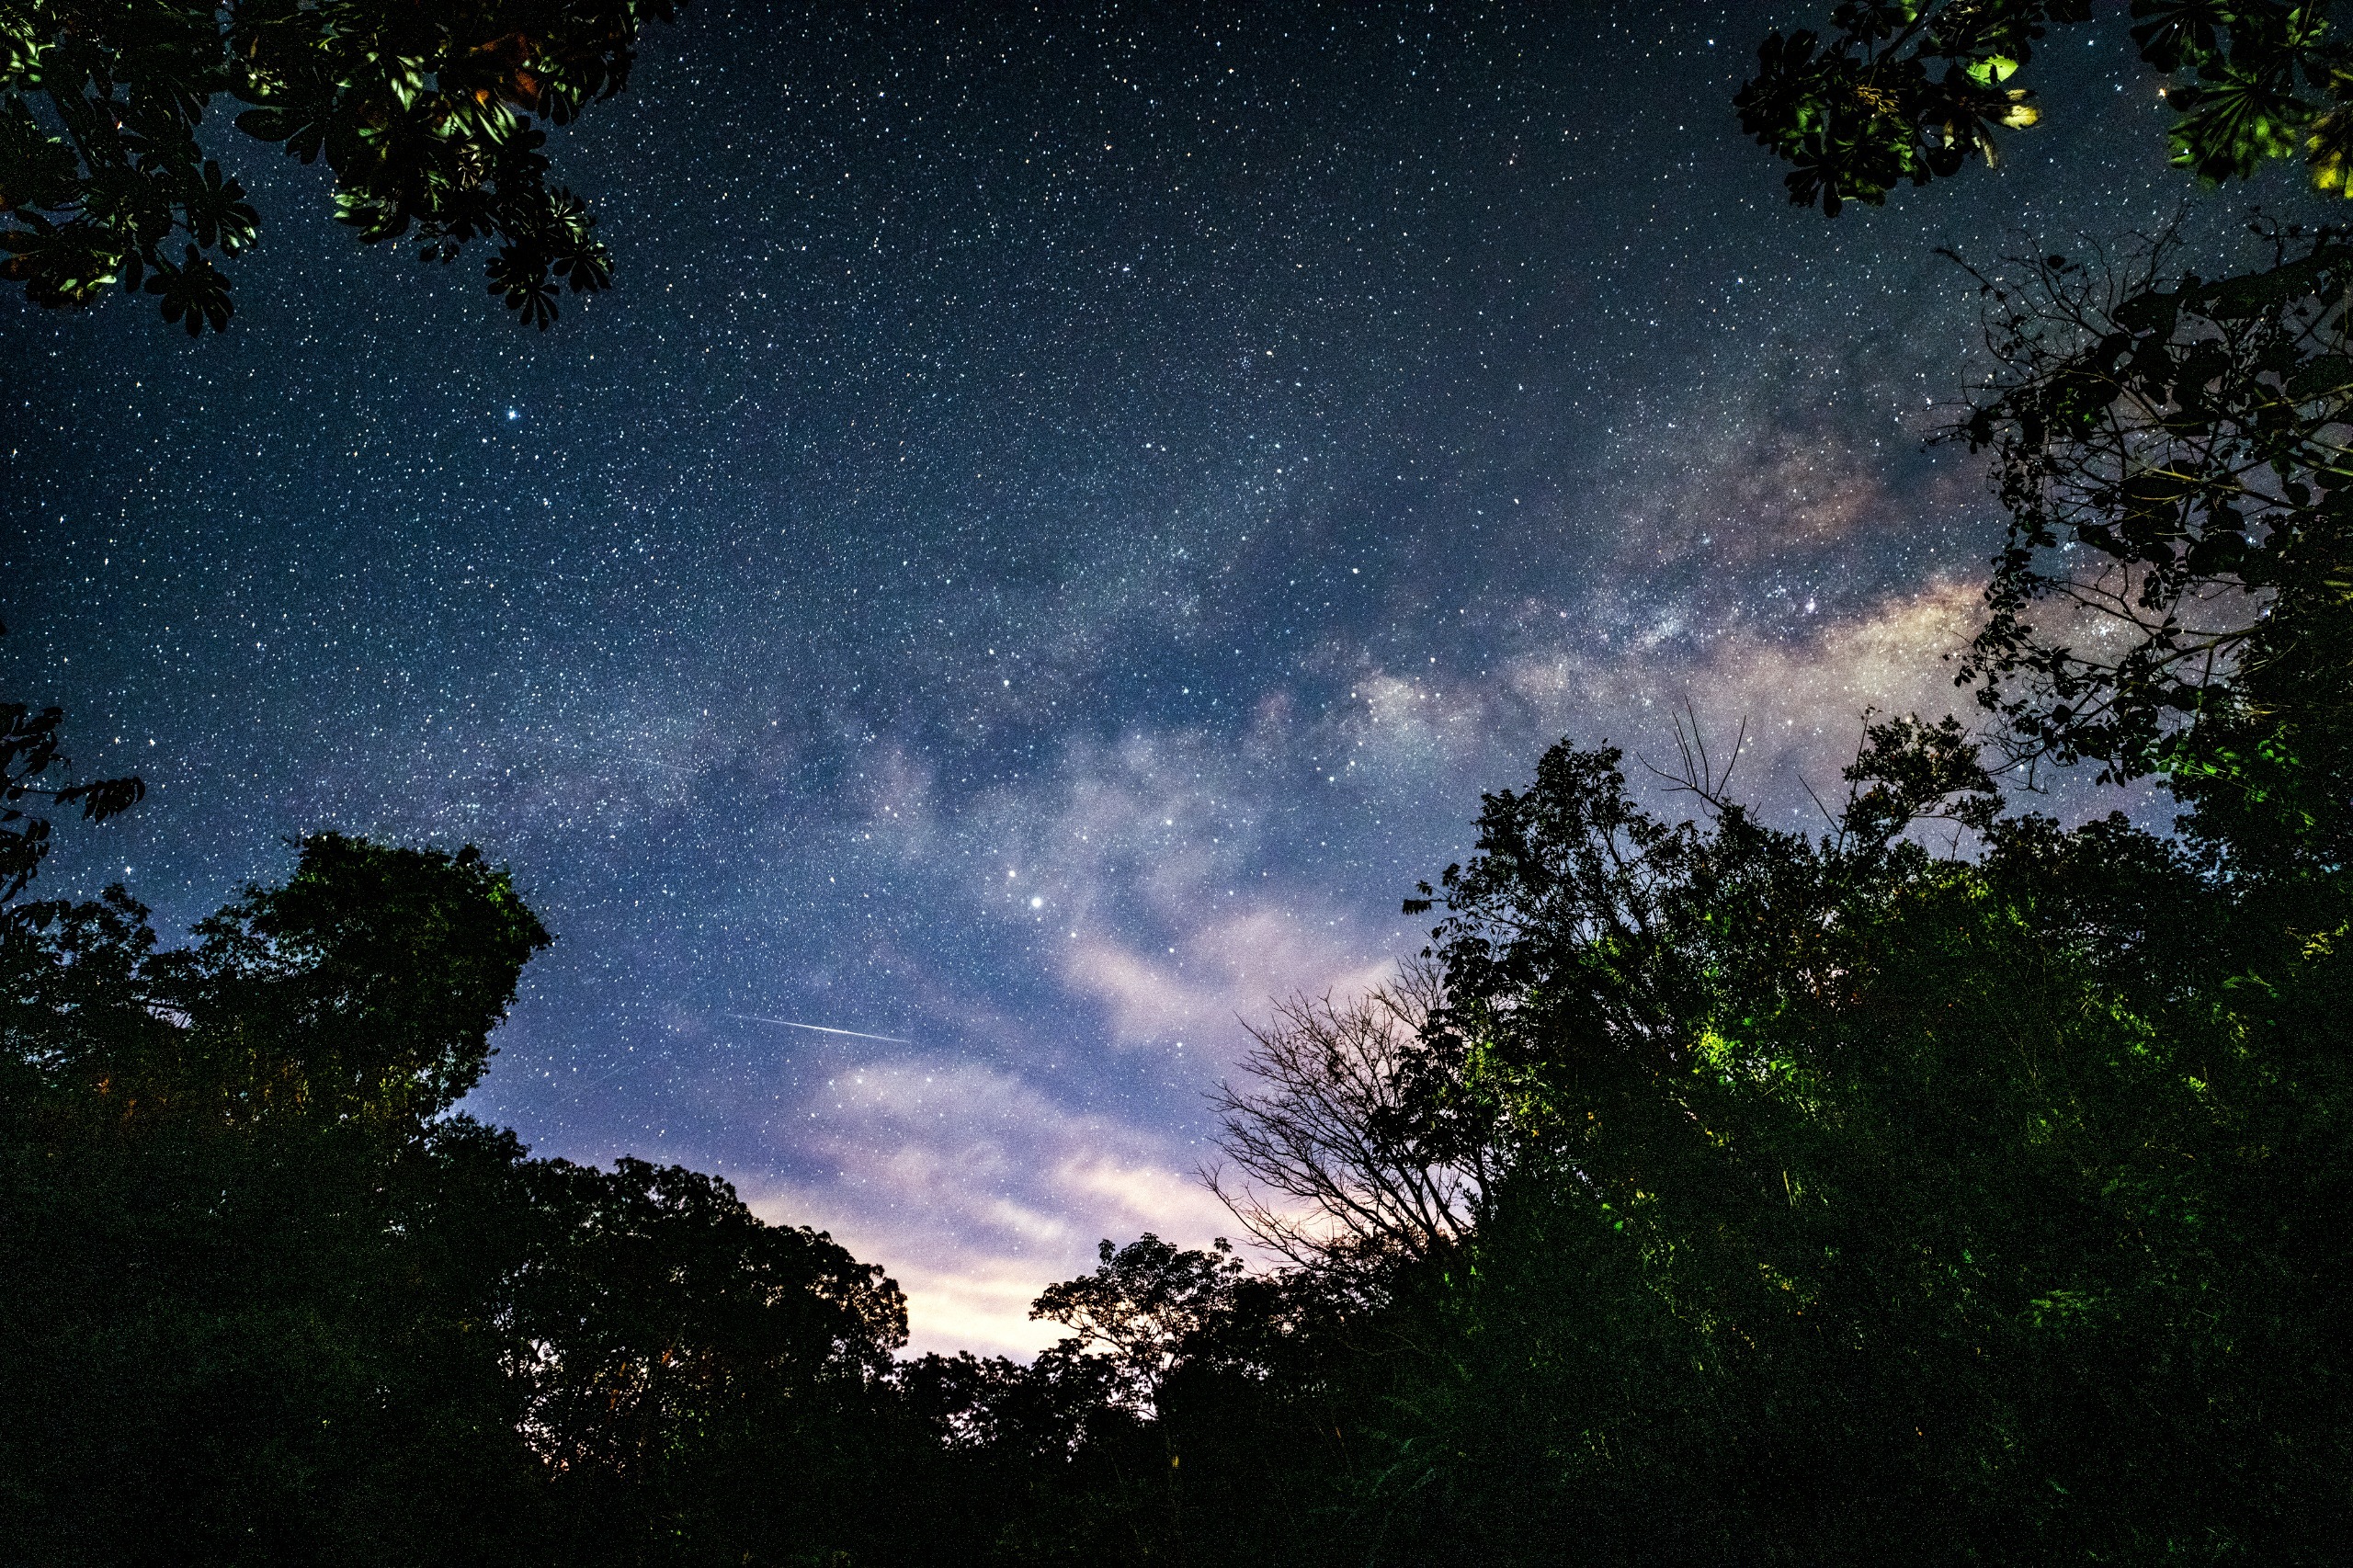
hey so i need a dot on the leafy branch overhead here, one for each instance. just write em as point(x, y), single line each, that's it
point(1904, 91)
point(29, 742)
point(2173, 596)
point(431, 116)
point(29, 747)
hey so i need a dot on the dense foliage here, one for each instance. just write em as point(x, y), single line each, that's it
point(1911, 90)
point(2175, 593)
point(268, 1301)
point(429, 117)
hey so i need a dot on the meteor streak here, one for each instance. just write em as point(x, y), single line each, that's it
point(818, 1029)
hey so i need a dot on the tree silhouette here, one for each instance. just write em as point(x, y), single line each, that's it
point(430, 117)
point(1342, 1170)
point(1908, 91)
point(30, 742)
point(2176, 593)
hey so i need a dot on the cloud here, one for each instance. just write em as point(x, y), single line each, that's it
point(1217, 972)
point(1801, 690)
point(1155, 879)
point(1803, 695)
point(978, 1189)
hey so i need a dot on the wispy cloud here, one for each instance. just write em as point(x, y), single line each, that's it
point(978, 1189)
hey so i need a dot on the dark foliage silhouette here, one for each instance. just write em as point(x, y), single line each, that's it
point(1909, 91)
point(429, 118)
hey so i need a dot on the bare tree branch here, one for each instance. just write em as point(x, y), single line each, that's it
point(1330, 1174)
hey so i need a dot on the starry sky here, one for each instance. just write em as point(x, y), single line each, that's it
point(1064, 513)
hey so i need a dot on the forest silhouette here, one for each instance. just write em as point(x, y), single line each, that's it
point(1948, 1184)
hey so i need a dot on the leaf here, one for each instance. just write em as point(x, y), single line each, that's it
point(193, 293)
point(2237, 122)
point(104, 798)
point(2319, 378)
point(36, 170)
point(60, 264)
point(267, 124)
point(218, 213)
point(2178, 33)
point(519, 274)
point(2328, 146)
point(2150, 313)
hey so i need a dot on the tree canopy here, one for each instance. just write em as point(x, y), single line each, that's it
point(1910, 91)
point(432, 119)
point(271, 1299)
point(2172, 597)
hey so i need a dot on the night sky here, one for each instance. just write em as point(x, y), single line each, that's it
point(1061, 518)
